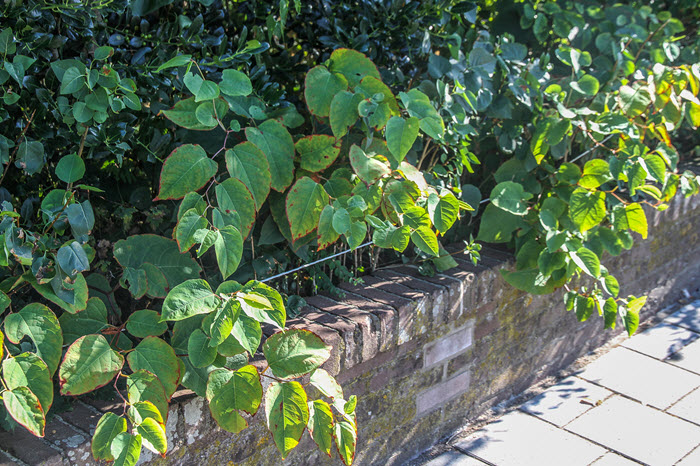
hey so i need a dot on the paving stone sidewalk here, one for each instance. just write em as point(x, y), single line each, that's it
point(637, 404)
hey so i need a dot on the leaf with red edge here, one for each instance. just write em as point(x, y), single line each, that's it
point(287, 414)
point(186, 169)
point(89, 363)
point(305, 202)
point(345, 436)
point(320, 86)
point(24, 407)
point(353, 65)
point(317, 152)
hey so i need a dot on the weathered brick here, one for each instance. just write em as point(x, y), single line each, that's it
point(82, 416)
point(405, 308)
point(439, 294)
point(435, 396)
point(385, 315)
point(348, 330)
point(32, 450)
point(330, 336)
point(447, 346)
point(367, 323)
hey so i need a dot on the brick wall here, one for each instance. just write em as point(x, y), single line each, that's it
point(423, 354)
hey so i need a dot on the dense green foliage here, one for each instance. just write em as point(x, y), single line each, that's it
point(157, 154)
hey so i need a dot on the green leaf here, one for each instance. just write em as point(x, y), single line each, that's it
point(145, 386)
point(511, 197)
point(28, 370)
point(305, 201)
point(595, 173)
point(235, 83)
point(157, 357)
point(326, 233)
point(264, 304)
point(343, 112)
point(587, 208)
point(611, 285)
point(400, 135)
point(634, 101)
point(24, 407)
point(72, 81)
point(108, 427)
point(631, 317)
point(70, 168)
point(353, 65)
point(326, 384)
point(30, 157)
point(317, 152)
point(367, 168)
point(320, 87)
point(242, 392)
point(146, 323)
point(424, 238)
point(587, 85)
point(247, 163)
point(233, 196)
point(610, 312)
point(189, 298)
point(191, 201)
point(72, 258)
point(153, 435)
point(37, 322)
point(93, 319)
point(174, 62)
point(584, 307)
point(81, 219)
point(89, 363)
point(223, 322)
point(320, 425)
point(443, 211)
point(636, 219)
point(497, 225)
point(77, 294)
point(229, 250)
point(7, 42)
point(201, 354)
point(160, 258)
point(143, 410)
point(126, 449)
point(187, 226)
point(248, 333)
point(418, 105)
point(587, 260)
point(275, 141)
point(293, 353)
point(186, 169)
point(207, 91)
point(184, 114)
point(287, 414)
point(346, 440)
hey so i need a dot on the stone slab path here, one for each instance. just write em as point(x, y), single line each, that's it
point(637, 404)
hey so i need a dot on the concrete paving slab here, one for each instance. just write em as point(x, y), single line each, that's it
point(565, 401)
point(640, 432)
point(613, 459)
point(688, 408)
point(640, 377)
point(661, 341)
point(693, 459)
point(688, 316)
point(519, 439)
point(688, 358)
point(454, 458)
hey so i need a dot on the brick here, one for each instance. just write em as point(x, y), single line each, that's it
point(405, 308)
point(385, 315)
point(366, 322)
point(348, 330)
point(63, 435)
point(435, 396)
point(440, 294)
point(82, 417)
point(32, 450)
point(330, 337)
point(447, 346)
point(6, 460)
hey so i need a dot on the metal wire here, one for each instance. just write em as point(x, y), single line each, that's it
point(319, 261)
point(315, 262)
